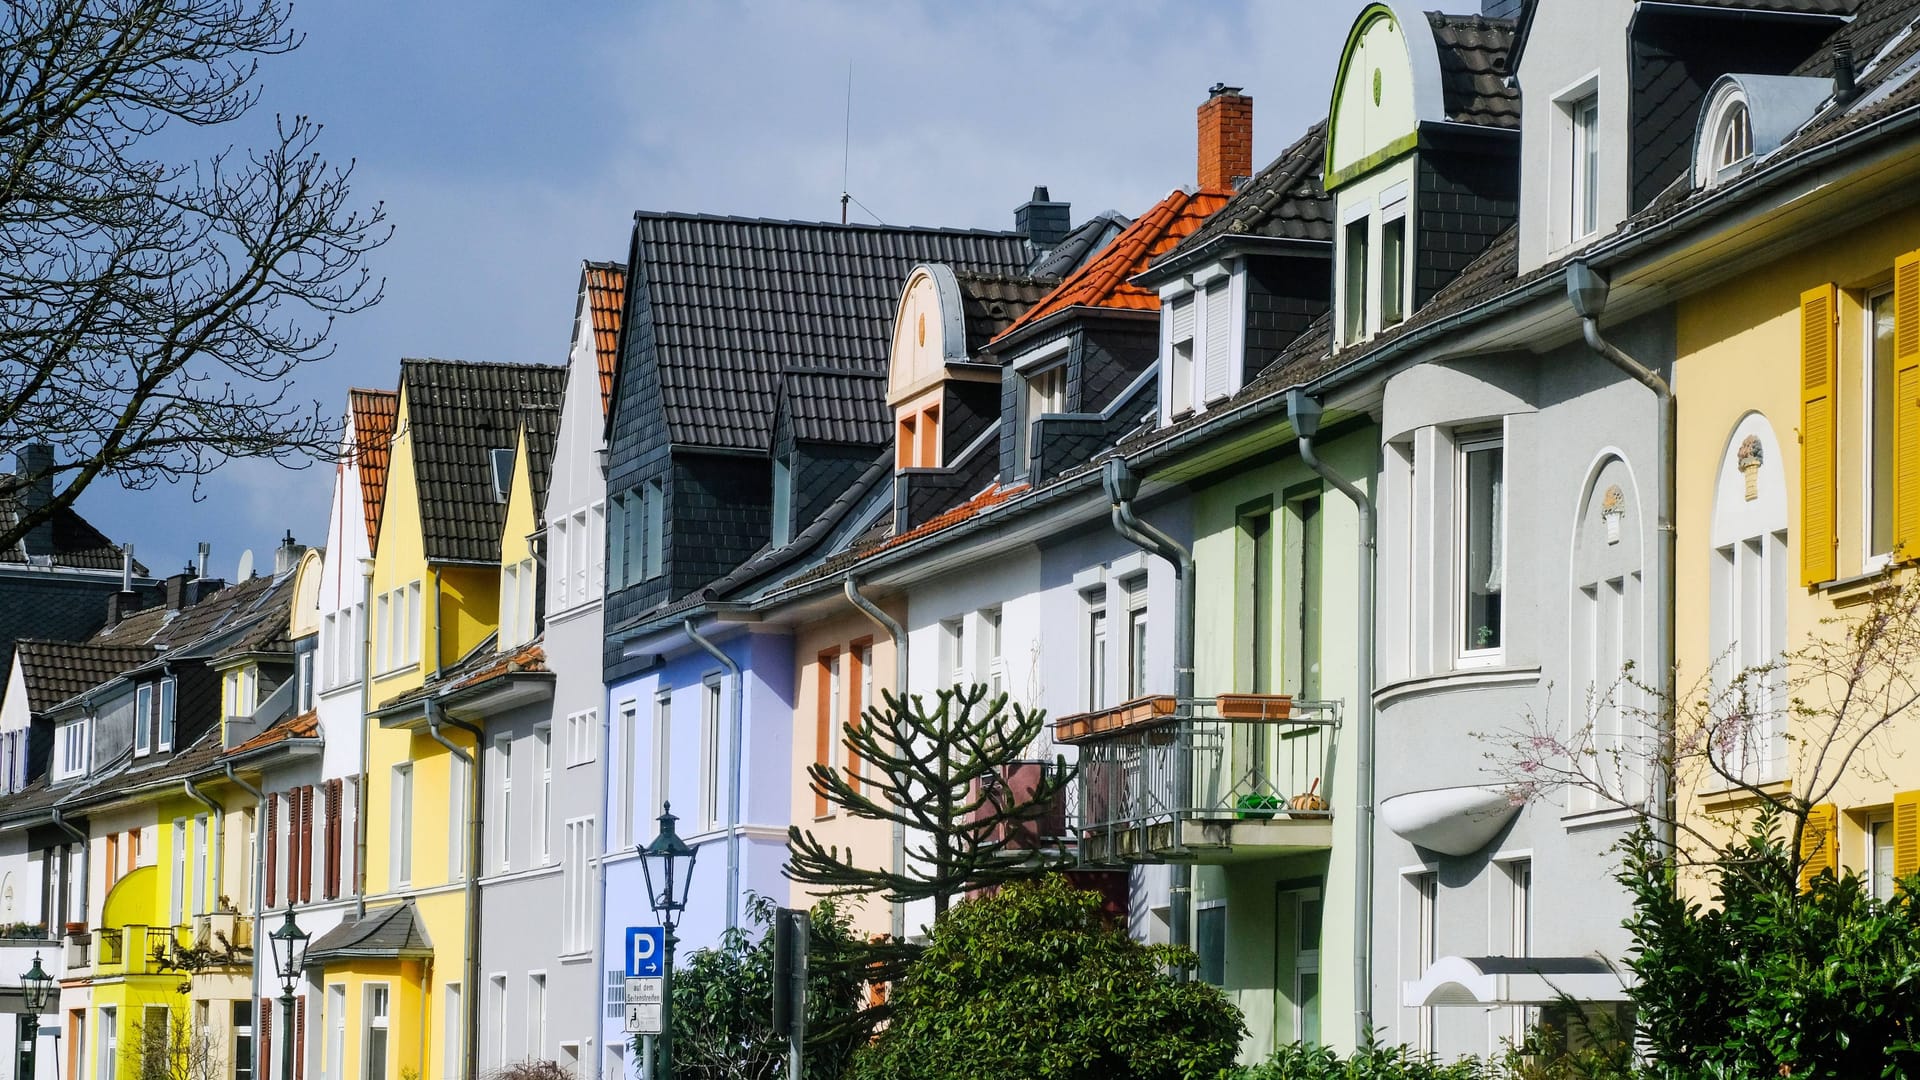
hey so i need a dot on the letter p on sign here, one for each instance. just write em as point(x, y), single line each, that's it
point(646, 952)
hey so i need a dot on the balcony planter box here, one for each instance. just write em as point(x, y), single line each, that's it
point(1254, 706)
point(1140, 712)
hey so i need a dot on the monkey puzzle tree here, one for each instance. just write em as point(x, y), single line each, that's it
point(947, 777)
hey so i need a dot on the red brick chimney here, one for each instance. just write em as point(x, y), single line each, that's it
point(1226, 138)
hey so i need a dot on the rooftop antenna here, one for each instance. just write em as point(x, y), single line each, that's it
point(846, 146)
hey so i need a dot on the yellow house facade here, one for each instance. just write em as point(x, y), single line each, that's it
point(436, 598)
point(1798, 495)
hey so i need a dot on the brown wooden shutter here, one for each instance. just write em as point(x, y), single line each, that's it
point(823, 724)
point(266, 1037)
point(300, 1038)
point(855, 675)
point(1818, 444)
point(1906, 834)
point(1819, 843)
point(359, 809)
point(1906, 405)
point(306, 844)
point(273, 846)
point(330, 877)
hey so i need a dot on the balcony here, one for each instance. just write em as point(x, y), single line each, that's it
point(1209, 780)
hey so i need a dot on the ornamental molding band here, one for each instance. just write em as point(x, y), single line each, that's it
point(1452, 821)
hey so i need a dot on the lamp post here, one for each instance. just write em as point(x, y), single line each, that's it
point(290, 956)
point(35, 987)
point(668, 866)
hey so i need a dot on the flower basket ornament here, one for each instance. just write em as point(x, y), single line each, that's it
point(1308, 803)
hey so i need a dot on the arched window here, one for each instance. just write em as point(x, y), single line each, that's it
point(1747, 624)
point(1608, 636)
point(1733, 138)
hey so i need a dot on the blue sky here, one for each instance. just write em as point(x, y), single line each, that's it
point(510, 140)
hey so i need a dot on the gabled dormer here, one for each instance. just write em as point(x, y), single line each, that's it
point(1615, 93)
point(1421, 159)
point(828, 427)
point(1247, 282)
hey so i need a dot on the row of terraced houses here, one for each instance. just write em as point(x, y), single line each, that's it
point(1578, 339)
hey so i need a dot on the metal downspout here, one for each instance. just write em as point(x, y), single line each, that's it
point(1303, 413)
point(733, 768)
point(253, 875)
point(899, 636)
point(366, 705)
point(472, 867)
point(219, 828)
point(436, 623)
point(1121, 486)
point(1587, 292)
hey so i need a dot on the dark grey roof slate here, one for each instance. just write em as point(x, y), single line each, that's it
point(76, 543)
point(57, 670)
point(459, 412)
point(991, 302)
point(1284, 202)
point(543, 435)
point(848, 407)
point(383, 932)
point(733, 300)
point(1473, 69)
point(1083, 243)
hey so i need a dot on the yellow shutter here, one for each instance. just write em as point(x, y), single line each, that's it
point(1906, 833)
point(1906, 404)
point(1819, 842)
point(1817, 448)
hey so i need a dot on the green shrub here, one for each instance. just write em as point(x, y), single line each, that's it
point(1373, 1061)
point(1032, 982)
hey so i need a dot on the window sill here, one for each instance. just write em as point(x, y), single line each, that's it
point(1858, 587)
point(1466, 678)
point(1721, 800)
point(1605, 817)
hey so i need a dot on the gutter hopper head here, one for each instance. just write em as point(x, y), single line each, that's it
point(1118, 478)
point(1303, 412)
point(1586, 290)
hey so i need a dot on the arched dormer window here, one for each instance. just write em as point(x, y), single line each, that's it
point(1733, 137)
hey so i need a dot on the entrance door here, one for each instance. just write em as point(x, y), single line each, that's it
point(1298, 913)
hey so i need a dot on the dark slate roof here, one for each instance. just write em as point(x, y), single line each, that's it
point(245, 618)
point(1086, 239)
point(992, 302)
point(382, 933)
point(76, 543)
point(57, 670)
point(734, 299)
point(1799, 7)
point(1284, 202)
point(460, 412)
point(1473, 69)
point(848, 407)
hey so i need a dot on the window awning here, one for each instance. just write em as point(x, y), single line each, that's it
point(1515, 980)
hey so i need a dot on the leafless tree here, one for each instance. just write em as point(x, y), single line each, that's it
point(1783, 734)
point(157, 289)
point(172, 1051)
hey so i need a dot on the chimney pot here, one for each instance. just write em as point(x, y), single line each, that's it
point(287, 555)
point(1845, 88)
point(34, 466)
point(1226, 138)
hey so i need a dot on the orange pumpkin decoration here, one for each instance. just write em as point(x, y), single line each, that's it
point(1309, 800)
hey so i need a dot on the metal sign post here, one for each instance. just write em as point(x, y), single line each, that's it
point(792, 930)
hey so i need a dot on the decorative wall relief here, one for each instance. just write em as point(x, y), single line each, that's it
point(1749, 461)
point(1613, 507)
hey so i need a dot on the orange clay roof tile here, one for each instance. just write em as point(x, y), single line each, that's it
point(1103, 282)
point(375, 412)
point(606, 285)
point(304, 726)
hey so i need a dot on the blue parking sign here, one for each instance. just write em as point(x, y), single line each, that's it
point(646, 952)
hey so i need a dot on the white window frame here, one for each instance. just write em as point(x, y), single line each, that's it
point(1464, 443)
point(497, 1014)
point(107, 1042)
point(400, 839)
point(1135, 647)
point(1872, 561)
point(624, 802)
point(543, 762)
point(560, 562)
point(536, 1014)
point(1876, 868)
point(459, 788)
point(1576, 147)
point(502, 854)
point(453, 1026)
point(143, 719)
point(712, 709)
point(662, 749)
point(372, 1020)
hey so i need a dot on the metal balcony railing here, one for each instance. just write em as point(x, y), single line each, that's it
point(1236, 758)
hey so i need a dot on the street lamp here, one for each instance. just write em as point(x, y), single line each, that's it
point(290, 956)
point(668, 866)
point(36, 986)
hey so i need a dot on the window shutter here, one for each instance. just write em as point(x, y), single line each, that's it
point(266, 1035)
point(300, 1038)
point(273, 848)
point(823, 726)
point(1218, 338)
point(1906, 405)
point(1906, 834)
point(1817, 446)
point(331, 875)
point(1183, 318)
point(306, 844)
point(1819, 843)
point(293, 844)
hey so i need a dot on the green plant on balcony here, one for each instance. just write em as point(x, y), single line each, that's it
point(1256, 805)
point(18, 930)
